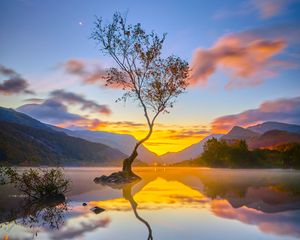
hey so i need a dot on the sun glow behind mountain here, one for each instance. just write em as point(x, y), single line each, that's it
point(164, 138)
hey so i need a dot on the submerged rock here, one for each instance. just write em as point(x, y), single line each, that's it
point(117, 178)
point(97, 210)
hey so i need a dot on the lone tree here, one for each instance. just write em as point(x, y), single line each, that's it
point(145, 76)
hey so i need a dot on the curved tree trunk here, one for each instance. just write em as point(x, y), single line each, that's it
point(127, 162)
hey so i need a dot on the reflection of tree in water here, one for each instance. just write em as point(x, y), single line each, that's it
point(128, 196)
point(36, 214)
point(44, 204)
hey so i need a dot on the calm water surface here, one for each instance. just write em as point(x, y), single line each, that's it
point(170, 203)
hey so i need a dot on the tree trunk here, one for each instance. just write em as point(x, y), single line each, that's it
point(127, 163)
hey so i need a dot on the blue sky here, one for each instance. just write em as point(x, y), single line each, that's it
point(38, 37)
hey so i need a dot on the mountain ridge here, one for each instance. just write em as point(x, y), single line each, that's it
point(122, 142)
point(190, 152)
point(25, 145)
point(272, 125)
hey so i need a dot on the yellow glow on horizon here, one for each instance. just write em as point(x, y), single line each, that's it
point(158, 194)
point(163, 139)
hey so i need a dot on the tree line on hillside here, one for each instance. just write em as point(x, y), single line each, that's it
point(220, 153)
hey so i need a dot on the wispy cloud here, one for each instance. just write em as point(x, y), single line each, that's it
point(14, 82)
point(282, 110)
point(68, 232)
point(49, 111)
point(249, 57)
point(88, 72)
point(263, 9)
point(250, 60)
point(54, 110)
point(270, 8)
point(74, 99)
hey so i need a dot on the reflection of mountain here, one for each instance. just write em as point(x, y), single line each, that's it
point(269, 200)
point(266, 199)
point(158, 194)
point(263, 190)
point(281, 223)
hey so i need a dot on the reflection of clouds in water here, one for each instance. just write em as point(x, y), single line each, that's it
point(159, 194)
point(282, 223)
point(77, 223)
point(71, 232)
point(177, 194)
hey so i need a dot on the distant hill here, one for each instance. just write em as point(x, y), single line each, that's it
point(10, 115)
point(23, 145)
point(190, 152)
point(273, 138)
point(265, 135)
point(123, 142)
point(267, 139)
point(240, 133)
point(27, 141)
point(268, 126)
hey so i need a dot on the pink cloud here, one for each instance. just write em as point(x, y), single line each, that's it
point(248, 57)
point(91, 73)
point(282, 223)
point(87, 71)
point(264, 9)
point(270, 8)
point(282, 110)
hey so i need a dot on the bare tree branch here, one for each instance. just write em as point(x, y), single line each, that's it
point(154, 82)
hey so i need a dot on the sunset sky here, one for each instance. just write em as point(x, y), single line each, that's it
point(244, 58)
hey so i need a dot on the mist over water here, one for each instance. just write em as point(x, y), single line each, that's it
point(168, 203)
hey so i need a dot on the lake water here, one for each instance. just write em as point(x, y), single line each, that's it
point(167, 204)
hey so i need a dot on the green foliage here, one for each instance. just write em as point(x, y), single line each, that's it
point(290, 154)
point(38, 183)
point(219, 153)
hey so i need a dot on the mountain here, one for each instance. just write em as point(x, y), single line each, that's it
point(267, 138)
point(273, 138)
point(35, 143)
point(123, 142)
point(23, 145)
point(268, 126)
point(190, 152)
point(10, 115)
point(240, 133)
point(258, 136)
